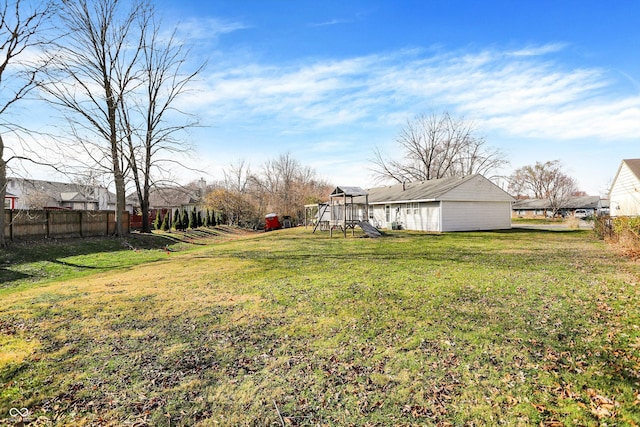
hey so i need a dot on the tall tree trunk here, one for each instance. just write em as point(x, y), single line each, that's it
point(120, 202)
point(118, 174)
point(3, 191)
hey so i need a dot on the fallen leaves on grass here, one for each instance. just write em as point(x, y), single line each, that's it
point(601, 406)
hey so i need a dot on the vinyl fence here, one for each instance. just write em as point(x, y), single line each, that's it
point(40, 224)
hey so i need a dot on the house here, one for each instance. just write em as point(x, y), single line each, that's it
point(449, 204)
point(624, 195)
point(173, 197)
point(534, 208)
point(39, 194)
point(42, 194)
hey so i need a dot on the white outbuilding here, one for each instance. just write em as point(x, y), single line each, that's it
point(471, 203)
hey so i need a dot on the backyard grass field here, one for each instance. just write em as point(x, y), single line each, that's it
point(290, 328)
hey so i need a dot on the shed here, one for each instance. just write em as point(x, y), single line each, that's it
point(448, 204)
point(624, 196)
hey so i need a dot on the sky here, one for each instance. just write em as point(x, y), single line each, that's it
point(328, 82)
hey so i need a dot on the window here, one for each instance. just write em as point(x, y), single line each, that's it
point(408, 208)
point(416, 208)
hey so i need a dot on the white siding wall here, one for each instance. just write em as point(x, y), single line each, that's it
point(421, 217)
point(625, 194)
point(378, 216)
point(426, 218)
point(472, 216)
point(447, 216)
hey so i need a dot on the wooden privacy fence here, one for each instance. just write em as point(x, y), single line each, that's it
point(40, 224)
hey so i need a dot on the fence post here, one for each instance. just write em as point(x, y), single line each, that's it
point(80, 222)
point(47, 219)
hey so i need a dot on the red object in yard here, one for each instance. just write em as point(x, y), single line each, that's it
point(272, 222)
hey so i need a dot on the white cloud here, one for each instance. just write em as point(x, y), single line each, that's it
point(539, 50)
point(207, 29)
point(331, 22)
point(519, 92)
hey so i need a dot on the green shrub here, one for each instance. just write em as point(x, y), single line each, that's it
point(602, 227)
point(157, 222)
point(177, 224)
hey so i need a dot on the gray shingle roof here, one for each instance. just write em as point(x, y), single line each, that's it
point(349, 191)
point(160, 197)
point(634, 166)
point(58, 191)
point(416, 191)
point(580, 202)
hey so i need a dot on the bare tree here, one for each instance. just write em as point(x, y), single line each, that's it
point(284, 186)
point(544, 181)
point(437, 147)
point(20, 30)
point(237, 176)
point(234, 198)
point(278, 177)
point(93, 68)
point(151, 137)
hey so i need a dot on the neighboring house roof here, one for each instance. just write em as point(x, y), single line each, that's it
point(438, 189)
point(633, 165)
point(160, 197)
point(76, 197)
point(58, 191)
point(579, 202)
point(53, 193)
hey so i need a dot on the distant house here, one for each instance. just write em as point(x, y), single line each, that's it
point(171, 197)
point(449, 204)
point(174, 197)
point(624, 195)
point(39, 194)
point(535, 208)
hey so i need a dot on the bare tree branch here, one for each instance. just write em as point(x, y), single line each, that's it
point(21, 29)
point(437, 146)
point(93, 68)
point(544, 181)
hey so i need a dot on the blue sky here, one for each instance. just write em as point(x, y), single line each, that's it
point(329, 81)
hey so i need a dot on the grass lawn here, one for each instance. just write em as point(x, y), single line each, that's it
point(520, 327)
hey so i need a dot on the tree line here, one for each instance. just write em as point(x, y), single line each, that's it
point(281, 185)
point(244, 196)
